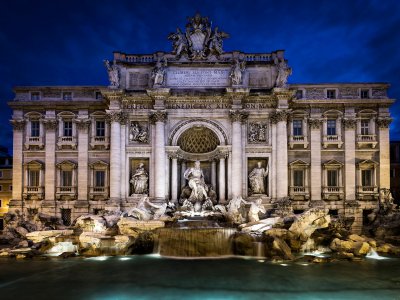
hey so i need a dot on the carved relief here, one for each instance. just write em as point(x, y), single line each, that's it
point(315, 123)
point(238, 115)
point(279, 116)
point(138, 132)
point(50, 124)
point(315, 93)
point(379, 93)
point(83, 124)
point(158, 116)
point(349, 123)
point(348, 93)
point(257, 132)
point(384, 122)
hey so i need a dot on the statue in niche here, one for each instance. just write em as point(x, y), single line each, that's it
point(179, 42)
point(113, 73)
point(283, 72)
point(140, 180)
point(138, 133)
point(158, 74)
point(257, 179)
point(257, 132)
point(237, 70)
point(195, 177)
point(216, 41)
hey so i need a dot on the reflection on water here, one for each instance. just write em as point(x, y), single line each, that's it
point(153, 277)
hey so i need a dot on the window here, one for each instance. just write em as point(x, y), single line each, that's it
point(1, 188)
point(66, 216)
point(297, 127)
point(333, 212)
point(366, 177)
point(35, 96)
point(365, 127)
point(66, 178)
point(331, 94)
point(331, 127)
point(332, 177)
point(100, 178)
point(10, 187)
point(67, 128)
point(1, 174)
point(298, 179)
point(1, 203)
point(33, 178)
point(67, 96)
point(1, 224)
point(35, 128)
point(98, 95)
point(364, 94)
point(100, 128)
point(299, 94)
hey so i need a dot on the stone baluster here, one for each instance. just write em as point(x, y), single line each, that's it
point(158, 118)
point(237, 117)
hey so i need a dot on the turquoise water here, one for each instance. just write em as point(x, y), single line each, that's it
point(153, 277)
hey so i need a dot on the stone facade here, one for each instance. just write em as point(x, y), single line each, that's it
point(78, 149)
point(5, 182)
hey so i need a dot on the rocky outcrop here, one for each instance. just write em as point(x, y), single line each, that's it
point(133, 227)
point(305, 224)
point(40, 236)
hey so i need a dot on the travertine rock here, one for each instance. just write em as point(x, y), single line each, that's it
point(39, 236)
point(311, 220)
point(132, 227)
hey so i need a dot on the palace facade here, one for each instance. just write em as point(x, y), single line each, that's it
point(83, 149)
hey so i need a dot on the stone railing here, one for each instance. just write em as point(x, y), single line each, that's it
point(367, 139)
point(258, 57)
point(299, 192)
point(100, 141)
point(98, 192)
point(67, 142)
point(36, 192)
point(298, 140)
point(369, 191)
point(333, 192)
point(332, 140)
point(66, 191)
point(34, 141)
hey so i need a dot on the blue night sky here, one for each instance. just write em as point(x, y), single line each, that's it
point(65, 42)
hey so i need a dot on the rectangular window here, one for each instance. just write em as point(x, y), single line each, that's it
point(99, 179)
point(299, 94)
point(67, 96)
point(98, 95)
point(331, 94)
point(332, 177)
point(33, 178)
point(364, 94)
point(297, 127)
point(298, 178)
point(67, 128)
point(331, 127)
point(66, 178)
point(35, 128)
point(365, 127)
point(66, 216)
point(100, 128)
point(366, 177)
point(35, 96)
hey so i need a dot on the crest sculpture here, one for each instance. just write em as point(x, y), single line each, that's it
point(199, 40)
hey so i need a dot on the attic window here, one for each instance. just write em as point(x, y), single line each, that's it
point(67, 96)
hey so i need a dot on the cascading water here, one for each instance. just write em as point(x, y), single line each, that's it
point(194, 242)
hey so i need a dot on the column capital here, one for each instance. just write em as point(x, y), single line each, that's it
point(18, 124)
point(384, 122)
point(315, 123)
point(158, 116)
point(283, 93)
point(279, 116)
point(83, 123)
point(50, 124)
point(349, 123)
point(238, 115)
point(116, 116)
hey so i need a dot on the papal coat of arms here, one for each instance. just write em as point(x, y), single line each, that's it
point(198, 41)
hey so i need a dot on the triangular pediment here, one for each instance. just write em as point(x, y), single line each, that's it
point(298, 162)
point(67, 164)
point(98, 164)
point(333, 162)
point(368, 162)
point(35, 163)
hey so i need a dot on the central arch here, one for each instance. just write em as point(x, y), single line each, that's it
point(198, 139)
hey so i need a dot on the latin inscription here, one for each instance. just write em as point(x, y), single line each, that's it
point(179, 77)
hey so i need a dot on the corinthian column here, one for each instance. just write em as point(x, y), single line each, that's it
point(17, 179)
point(350, 124)
point(83, 143)
point(384, 153)
point(158, 118)
point(279, 118)
point(315, 146)
point(237, 117)
point(115, 155)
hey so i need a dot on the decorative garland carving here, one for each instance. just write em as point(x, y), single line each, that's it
point(279, 116)
point(193, 121)
point(18, 124)
point(158, 116)
point(82, 124)
point(315, 123)
point(384, 122)
point(50, 124)
point(349, 123)
point(238, 115)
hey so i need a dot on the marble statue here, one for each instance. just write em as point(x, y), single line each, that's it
point(237, 70)
point(140, 180)
point(386, 200)
point(160, 210)
point(113, 73)
point(283, 72)
point(257, 179)
point(256, 208)
point(158, 74)
point(138, 133)
point(179, 42)
point(233, 210)
point(216, 41)
point(195, 177)
point(141, 212)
